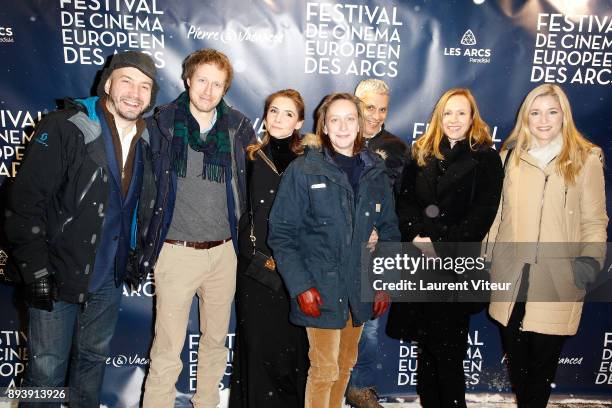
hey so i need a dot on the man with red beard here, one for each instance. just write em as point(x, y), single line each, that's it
point(76, 220)
point(199, 143)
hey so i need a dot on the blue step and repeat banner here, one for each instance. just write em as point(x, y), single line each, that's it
point(499, 49)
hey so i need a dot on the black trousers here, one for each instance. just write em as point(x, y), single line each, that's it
point(440, 376)
point(532, 357)
point(270, 363)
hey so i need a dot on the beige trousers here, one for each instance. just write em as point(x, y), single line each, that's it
point(332, 354)
point(180, 273)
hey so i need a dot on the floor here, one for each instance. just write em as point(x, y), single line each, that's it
point(474, 401)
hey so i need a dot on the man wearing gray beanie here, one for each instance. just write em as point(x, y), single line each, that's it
point(76, 219)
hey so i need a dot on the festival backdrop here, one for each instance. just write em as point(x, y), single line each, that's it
point(500, 49)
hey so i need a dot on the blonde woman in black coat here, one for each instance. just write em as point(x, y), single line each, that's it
point(450, 193)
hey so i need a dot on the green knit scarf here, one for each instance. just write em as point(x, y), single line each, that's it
point(216, 147)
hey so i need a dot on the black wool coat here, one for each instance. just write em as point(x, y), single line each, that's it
point(270, 363)
point(262, 183)
point(451, 201)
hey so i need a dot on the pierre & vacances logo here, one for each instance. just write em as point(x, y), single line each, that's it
point(121, 360)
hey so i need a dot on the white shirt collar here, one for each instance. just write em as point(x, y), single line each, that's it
point(126, 141)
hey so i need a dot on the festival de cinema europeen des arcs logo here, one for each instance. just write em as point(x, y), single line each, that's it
point(3, 261)
point(6, 34)
point(475, 55)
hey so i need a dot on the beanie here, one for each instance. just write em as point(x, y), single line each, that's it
point(135, 59)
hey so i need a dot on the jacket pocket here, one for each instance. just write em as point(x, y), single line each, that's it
point(329, 289)
point(323, 202)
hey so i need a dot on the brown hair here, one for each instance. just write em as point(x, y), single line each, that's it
point(208, 56)
point(322, 112)
point(429, 144)
point(575, 146)
point(296, 145)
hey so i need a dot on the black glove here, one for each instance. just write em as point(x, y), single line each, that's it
point(40, 293)
point(585, 271)
point(133, 274)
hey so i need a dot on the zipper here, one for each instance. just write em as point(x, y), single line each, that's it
point(167, 172)
point(165, 200)
point(542, 208)
point(512, 305)
point(541, 214)
point(268, 161)
point(353, 211)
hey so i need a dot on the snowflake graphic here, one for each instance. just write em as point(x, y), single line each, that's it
point(468, 38)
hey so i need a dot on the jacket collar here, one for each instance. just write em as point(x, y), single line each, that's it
point(457, 162)
point(377, 135)
point(529, 159)
point(320, 162)
point(86, 118)
point(87, 121)
point(164, 119)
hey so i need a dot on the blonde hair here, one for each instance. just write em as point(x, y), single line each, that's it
point(208, 56)
point(371, 85)
point(429, 144)
point(575, 146)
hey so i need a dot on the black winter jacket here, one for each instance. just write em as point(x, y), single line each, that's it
point(450, 201)
point(263, 179)
point(394, 151)
point(55, 206)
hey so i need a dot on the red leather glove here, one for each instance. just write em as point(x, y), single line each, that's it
point(381, 303)
point(309, 302)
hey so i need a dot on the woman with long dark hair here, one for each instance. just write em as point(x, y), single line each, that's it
point(328, 203)
point(550, 239)
point(270, 362)
point(449, 196)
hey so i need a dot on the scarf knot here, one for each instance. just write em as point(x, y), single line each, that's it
point(216, 147)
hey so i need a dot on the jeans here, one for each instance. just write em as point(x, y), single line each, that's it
point(79, 332)
point(364, 372)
